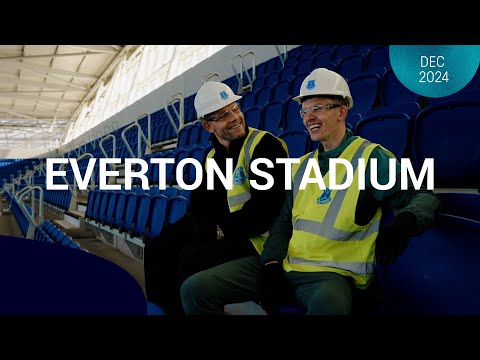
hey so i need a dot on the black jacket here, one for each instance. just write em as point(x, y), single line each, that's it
point(257, 214)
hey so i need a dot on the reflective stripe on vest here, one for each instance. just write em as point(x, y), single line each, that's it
point(325, 236)
point(240, 192)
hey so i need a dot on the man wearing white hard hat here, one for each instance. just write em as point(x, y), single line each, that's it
point(224, 225)
point(325, 243)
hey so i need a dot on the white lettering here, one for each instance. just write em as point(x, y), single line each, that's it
point(129, 174)
point(391, 174)
point(52, 173)
point(226, 180)
point(427, 169)
point(265, 175)
point(162, 170)
point(288, 170)
point(312, 164)
point(104, 173)
point(198, 173)
point(332, 176)
point(83, 183)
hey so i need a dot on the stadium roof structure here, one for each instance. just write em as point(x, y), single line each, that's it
point(43, 87)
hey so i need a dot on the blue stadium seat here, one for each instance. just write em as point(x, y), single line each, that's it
point(340, 52)
point(271, 78)
point(258, 83)
point(291, 115)
point(262, 97)
point(322, 59)
point(411, 109)
point(391, 130)
point(287, 73)
point(350, 66)
point(272, 115)
point(280, 90)
point(456, 154)
point(364, 89)
point(142, 214)
point(303, 66)
point(438, 273)
point(247, 100)
point(392, 91)
point(156, 219)
point(296, 83)
point(298, 142)
point(252, 116)
point(198, 153)
point(194, 134)
point(377, 60)
point(177, 207)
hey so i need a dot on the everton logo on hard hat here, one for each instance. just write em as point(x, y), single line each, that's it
point(325, 197)
point(239, 176)
point(223, 95)
point(310, 84)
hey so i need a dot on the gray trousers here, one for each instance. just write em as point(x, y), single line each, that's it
point(237, 281)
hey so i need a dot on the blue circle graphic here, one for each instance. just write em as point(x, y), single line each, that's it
point(434, 70)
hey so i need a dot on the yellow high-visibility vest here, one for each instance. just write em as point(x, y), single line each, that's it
point(240, 192)
point(325, 236)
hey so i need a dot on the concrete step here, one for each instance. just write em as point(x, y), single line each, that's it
point(74, 217)
point(82, 206)
point(74, 231)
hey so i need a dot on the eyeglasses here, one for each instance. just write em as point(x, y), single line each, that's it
point(316, 109)
point(235, 109)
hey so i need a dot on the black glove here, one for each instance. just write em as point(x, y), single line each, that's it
point(392, 239)
point(272, 284)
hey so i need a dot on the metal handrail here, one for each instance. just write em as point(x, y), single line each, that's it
point(177, 97)
point(114, 145)
point(237, 72)
point(211, 75)
point(250, 79)
point(242, 88)
point(149, 132)
point(140, 135)
point(19, 197)
point(283, 56)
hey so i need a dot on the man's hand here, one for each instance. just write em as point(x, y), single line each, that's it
point(392, 239)
point(272, 285)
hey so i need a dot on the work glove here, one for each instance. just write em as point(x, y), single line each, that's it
point(272, 285)
point(392, 239)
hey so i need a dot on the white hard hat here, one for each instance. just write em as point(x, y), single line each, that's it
point(213, 96)
point(325, 82)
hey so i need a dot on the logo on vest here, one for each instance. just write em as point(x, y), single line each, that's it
point(325, 197)
point(239, 176)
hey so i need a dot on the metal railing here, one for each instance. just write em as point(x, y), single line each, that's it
point(180, 115)
point(239, 74)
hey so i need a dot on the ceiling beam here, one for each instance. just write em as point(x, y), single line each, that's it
point(40, 98)
point(100, 48)
point(56, 108)
point(8, 78)
point(29, 111)
point(48, 56)
point(42, 69)
point(47, 69)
